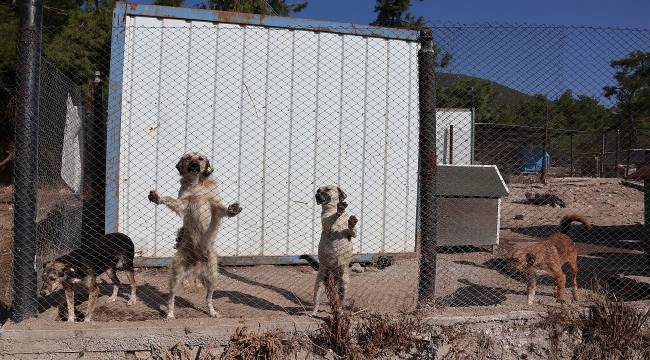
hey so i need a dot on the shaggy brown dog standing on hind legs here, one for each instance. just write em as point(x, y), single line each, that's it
point(202, 210)
point(549, 256)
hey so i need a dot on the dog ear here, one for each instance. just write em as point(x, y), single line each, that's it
point(342, 195)
point(208, 169)
point(179, 166)
point(530, 259)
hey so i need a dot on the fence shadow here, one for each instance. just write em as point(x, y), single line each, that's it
point(152, 297)
point(608, 271)
point(287, 294)
point(473, 294)
point(238, 297)
point(57, 299)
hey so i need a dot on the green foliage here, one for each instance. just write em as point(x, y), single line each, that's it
point(496, 103)
point(632, 94)
point(395, 13)
point(83, 45)
point(264, 7)
point(175, 3)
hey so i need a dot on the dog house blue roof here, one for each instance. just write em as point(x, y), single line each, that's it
point(475, 181)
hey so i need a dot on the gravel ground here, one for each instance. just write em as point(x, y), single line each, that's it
point(470, 281)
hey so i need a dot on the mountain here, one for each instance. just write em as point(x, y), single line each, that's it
point(503, 95)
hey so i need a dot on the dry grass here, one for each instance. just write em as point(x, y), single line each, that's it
point(335, 332)
point(368, 336)
point(613, 330)
point(385, 335)
point(609, 329)
point(179, 351)
point(249, 345)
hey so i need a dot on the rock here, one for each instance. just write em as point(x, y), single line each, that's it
point(357, 268)
point(519, 217)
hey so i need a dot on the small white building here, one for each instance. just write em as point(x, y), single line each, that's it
point(455, 136)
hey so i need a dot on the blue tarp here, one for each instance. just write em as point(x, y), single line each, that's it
point(533, 160)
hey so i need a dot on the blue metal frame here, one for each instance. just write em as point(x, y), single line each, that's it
point(267, 21)
point(114, 118)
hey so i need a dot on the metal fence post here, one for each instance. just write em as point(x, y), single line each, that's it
point(603, 144)
point(646, 218)
point(94, 163)
point(545, 150)
point(451, 144)
point(617, 155)
point(571, 153)
point(427, 168)
point(25, 170)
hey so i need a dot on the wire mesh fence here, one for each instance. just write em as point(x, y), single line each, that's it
point(544, 116)
point(223, 150)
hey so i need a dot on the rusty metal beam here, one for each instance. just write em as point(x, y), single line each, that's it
point(267, 21)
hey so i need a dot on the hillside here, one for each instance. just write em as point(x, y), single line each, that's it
point(503, 94)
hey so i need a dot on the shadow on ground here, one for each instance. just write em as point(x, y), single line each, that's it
point(612, 273)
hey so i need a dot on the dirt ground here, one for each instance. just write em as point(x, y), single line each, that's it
point(469, 281)
point(6, 244)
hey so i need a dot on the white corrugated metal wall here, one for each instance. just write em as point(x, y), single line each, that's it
point(280, 112)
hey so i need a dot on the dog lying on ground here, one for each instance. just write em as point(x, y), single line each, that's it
point(335, 246)
point(544, 199)
point(202, 210)
point(549, 256)
point(106, 254)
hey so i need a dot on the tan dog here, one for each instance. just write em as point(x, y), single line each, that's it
point(549, 256)
point(335, 246)
point(202, 210)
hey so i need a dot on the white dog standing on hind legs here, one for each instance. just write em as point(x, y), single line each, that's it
point(202, 210)
point(335, 246)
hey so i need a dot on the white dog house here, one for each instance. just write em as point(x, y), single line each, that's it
point(469, 204)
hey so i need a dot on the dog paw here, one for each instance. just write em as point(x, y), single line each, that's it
point(233, 209)
point(215, 314)
point(169, 316)
point(154, 197)
point(341, 206)
point(87, 319)
point(71, 320)
point(131, 301)
point(112, 299)
point(352, 222)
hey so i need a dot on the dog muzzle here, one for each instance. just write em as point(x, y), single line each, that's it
point(320, 199)
point(194, 167)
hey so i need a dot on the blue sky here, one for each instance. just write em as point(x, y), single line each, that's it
point(544, 60)
point(620, 13)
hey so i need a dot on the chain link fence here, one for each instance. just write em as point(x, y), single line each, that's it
point(523, 135)
point(539, 100)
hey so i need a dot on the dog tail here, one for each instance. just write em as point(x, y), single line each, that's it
point(567, 220)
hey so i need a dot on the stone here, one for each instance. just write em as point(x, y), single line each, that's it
point(357, 268)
